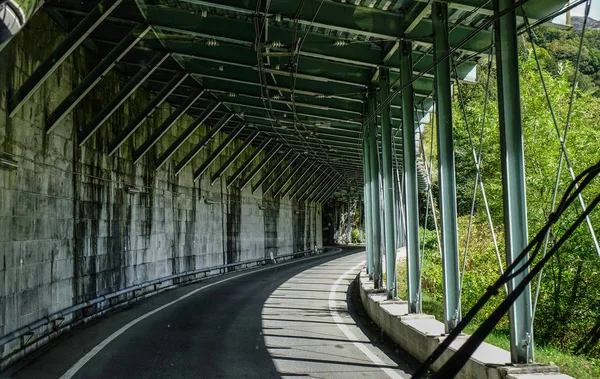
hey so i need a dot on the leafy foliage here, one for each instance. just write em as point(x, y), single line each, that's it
point(568, 311)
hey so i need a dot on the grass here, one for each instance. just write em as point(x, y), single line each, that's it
point(578, 366)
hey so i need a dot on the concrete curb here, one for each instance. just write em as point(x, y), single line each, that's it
point(420, 335)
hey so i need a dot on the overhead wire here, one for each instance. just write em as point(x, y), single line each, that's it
point(266, 98)
point(294, 64)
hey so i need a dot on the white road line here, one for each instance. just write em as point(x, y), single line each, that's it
point(348, 333)
point(92, 353)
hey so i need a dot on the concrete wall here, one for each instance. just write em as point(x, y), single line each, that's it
point(69, 230)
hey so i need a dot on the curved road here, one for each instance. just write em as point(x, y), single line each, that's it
point(286, 320)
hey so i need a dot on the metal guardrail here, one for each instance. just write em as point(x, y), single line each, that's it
point(57, 318)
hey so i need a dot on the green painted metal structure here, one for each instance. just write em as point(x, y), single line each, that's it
point(300, 78)
point(446, 170)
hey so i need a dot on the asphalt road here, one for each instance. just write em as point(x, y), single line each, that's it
point(288, 320)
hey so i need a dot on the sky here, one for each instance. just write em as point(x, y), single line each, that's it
point(580, 10)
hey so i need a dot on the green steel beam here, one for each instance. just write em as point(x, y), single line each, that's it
point(348, 221)
point(202, 143)
point(341, 17)
point(128, 89)
point(388, 187)
point(287, 102)
point(317, 191)
point(290, 113)
point(446, 169)
point(311, 186)
point(411, 185)
point(298, 182)
point(215, 154)
point(513, 178)
point(282, 171)
point(533, 10)
point(269, 172)
point(352, 136)
point(135, 123)
point(375, 198)
point(164, 127)
point(228, 68)
point(68, 25)
point(320, 190)
point(317, 188)
point(94, 77)
point(312, 179)
point(192, 127)
point(248, 162)
point(259, 167)
point(289, 177)
point(60, 53)
point(307, 184)
point(241, 33)
point(235, 155)
point(328, 194)
point(325, 195)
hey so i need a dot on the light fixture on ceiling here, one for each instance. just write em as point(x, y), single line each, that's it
point(276, 44)
point(340, 43)
point(211, 42)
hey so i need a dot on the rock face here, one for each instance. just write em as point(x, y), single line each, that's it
point(577, 22)
point(72, 228)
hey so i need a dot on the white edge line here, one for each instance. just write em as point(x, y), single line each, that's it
point(92, 353)
point(348, 333)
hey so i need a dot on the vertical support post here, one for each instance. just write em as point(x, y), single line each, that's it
point(513, 177)
point(368, 200)
point(360, 220)
point(349, 221)
point(375, 206)
point(410, 182)
point(388, 186)
point(447, 173)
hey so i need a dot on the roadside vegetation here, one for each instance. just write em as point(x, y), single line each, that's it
point(567, 317)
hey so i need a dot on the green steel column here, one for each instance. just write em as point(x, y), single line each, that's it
point(447, 172)
point(513, 176)
point(375, 207)
point(410, 182)
point(368, 202)
point(388, 186)
point(360, 221)
point(349, 221)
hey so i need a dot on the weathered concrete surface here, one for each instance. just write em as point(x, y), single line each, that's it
point(421, 334)
point(69, 229)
